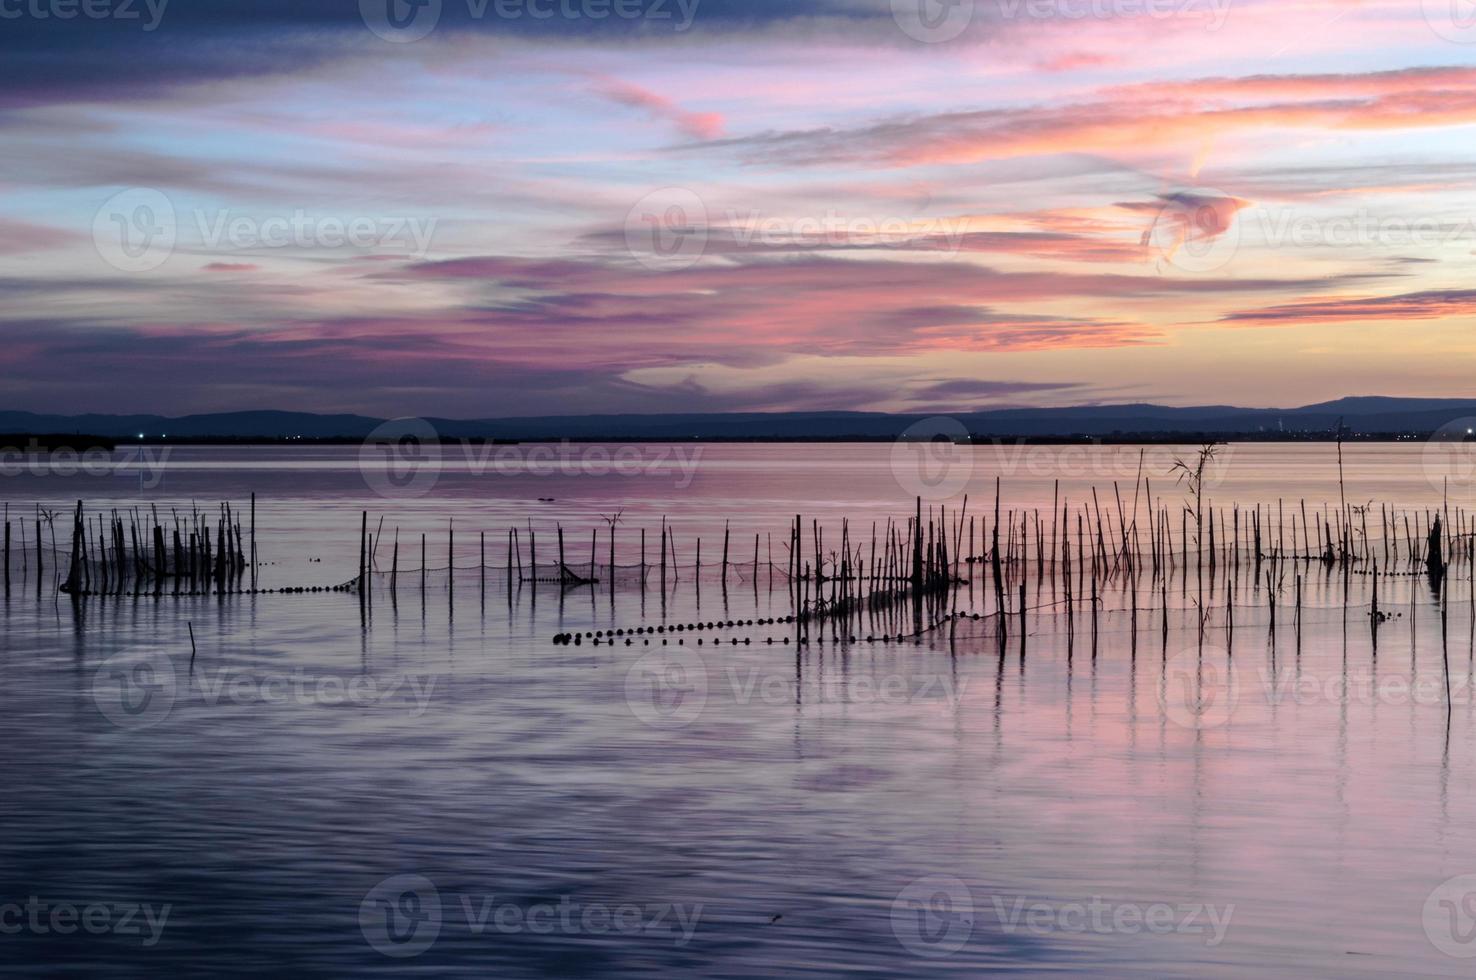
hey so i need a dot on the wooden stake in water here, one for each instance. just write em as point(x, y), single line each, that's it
point(363, 556)
point(253, 541)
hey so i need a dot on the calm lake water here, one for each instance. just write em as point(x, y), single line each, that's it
point(435, 787)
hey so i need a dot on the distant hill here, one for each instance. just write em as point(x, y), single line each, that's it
point(1361, 416)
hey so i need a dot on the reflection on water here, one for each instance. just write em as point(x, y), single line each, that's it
point(440, 788)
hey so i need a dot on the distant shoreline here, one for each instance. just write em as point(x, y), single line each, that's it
point(51, 442)
point(1362, 419)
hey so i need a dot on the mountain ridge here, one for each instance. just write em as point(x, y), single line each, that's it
point(1360, 415)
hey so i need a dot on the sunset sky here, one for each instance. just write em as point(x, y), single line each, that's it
point(572, 206)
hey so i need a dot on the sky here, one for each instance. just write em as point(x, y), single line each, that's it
point(479, 208)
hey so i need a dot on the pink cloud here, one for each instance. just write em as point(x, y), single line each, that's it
point(697, 125)
point(1427, 305)
point(1076, 61)
point(20, 237)
point(1133, 120)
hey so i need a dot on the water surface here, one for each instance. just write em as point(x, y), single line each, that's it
point(944, 804)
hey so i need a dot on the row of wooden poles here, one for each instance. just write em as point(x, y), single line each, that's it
point(1083, 545)
point(928, 548)
point(135, 552)
point(823, 586)
point(1084, 548)
point(924, 568)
